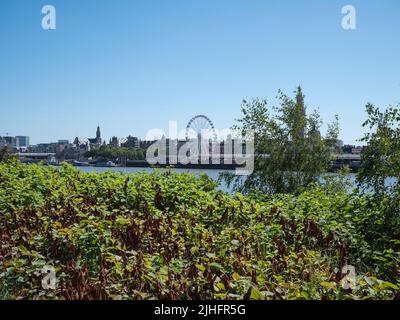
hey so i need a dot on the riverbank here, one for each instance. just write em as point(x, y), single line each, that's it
point(352, 162)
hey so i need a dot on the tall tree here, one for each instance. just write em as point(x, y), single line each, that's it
point(381, 155)
point(290, 152)
point(379, 174)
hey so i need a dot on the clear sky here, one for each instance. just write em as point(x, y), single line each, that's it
point(132, 65)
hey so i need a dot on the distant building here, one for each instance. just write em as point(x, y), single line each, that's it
point(144, 144)
point(71, 152)
point(114, 141)
point(52, 147)
point(96, 141)
point(347, 149)
point(352, 149)
point(89, 143)
point(18, 142)
point(2, 142)
point(21, 141)
point(357, 150)
point(43, 148)
point(8, 141)
point(63, 150)
point(131, 142)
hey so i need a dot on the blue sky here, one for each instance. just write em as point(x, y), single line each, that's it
point(131, 66)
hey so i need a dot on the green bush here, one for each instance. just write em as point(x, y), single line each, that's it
point(165, 235)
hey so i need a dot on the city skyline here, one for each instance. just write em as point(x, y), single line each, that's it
point(108, 139)
point(168, 61)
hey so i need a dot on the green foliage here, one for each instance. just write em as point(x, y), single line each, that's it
point(110, 153)
point(290, 153)
point(6, 154)
point(381, 161)
point(175, 236)
point(338, 182)
point(381, 155)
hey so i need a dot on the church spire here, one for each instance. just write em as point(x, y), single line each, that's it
point(98, 135)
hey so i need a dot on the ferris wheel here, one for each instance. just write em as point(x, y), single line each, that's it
point(200, 125)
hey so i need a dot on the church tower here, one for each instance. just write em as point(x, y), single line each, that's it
point(98, 135)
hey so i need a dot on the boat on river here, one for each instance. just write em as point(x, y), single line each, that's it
point(80, 164)
point(108, 164)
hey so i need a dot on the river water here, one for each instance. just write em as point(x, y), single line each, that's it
point(214, 174)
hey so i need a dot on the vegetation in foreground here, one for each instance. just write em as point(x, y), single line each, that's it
point(175, 236)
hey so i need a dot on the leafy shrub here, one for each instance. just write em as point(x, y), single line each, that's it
point(175, 236)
